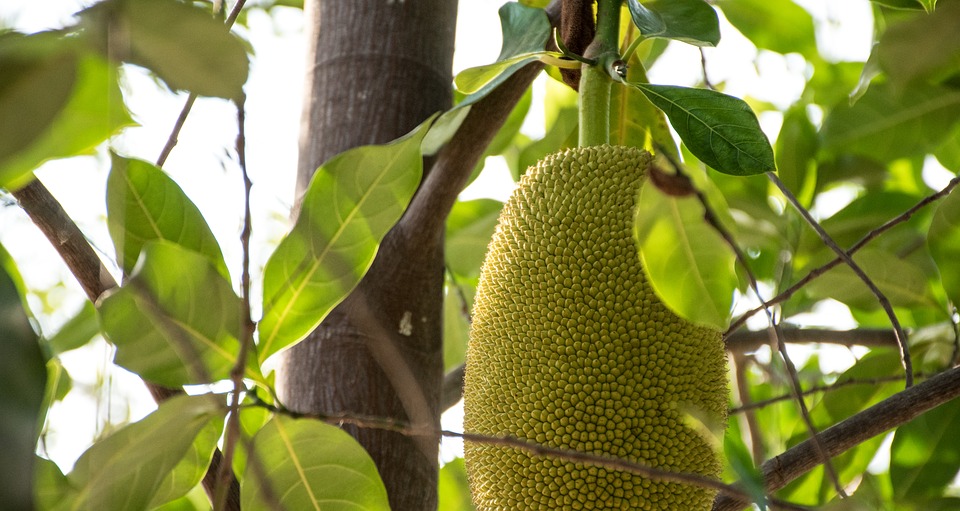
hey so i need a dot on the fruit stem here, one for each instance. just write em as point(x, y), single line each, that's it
point(595, 80)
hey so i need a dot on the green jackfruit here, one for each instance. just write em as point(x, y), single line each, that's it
point(570, 348)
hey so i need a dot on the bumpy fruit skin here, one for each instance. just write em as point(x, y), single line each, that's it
point(570, 348)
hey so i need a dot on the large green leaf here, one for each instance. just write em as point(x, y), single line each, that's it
point(647, 20)
point(94, 112)
point(21, 394)
point(456, 328)
point(454, 493)
point(128, 468)
point(183, 44)
point(688, 263)
point(525, 33)
point(307, 464)
point(176, 320)
point(192, 466)
point(470, 226)
point(144, 204)
point(77, 331)
point(925, 454)
point(922, 48)
point(948, 154)
point(39, 73)
point(52, 488)
point(690, 21)
point(350, 204)
point(778, 25)
point(944, 241)
point(720, 130)
point(797, 147)
point(886, 123)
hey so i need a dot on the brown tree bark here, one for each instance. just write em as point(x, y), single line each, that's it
point(376, 69)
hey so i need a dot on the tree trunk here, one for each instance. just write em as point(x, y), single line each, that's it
point(376, 69)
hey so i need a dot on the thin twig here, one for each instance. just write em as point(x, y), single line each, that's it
point(703, 67)
point(881, 297)
point(743, 393)
point(192, 98)
point(870, 236)
point(225, 478)
point(177, 126)
point(535, 449)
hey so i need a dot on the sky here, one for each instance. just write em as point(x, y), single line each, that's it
point(202, 163)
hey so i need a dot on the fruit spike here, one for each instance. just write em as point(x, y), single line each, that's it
point(571, 348)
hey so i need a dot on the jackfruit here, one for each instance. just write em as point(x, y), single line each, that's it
point(571, 348)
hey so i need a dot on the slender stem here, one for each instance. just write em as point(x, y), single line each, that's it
point(595, 80)
point(594, 106)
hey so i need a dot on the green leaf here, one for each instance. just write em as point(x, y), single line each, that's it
point(39, 73)
point(310, 465)
point(524, 29)
point(77, 331)
point(184, 45)
point(689, 265)
point(52, 489)
point(481, 80)
point(456, 328)
point(525, 33)
point(902, 281)
point(898, 53)
point(720, 130)
point(900, 4)
point(470, 226)
point(126, 469)
point(943, 238)
point(144, 204)
point(925, 454)
point(844, 402)
point(23, 367)
point(948, 154)
point(94, 112)
point(886, 124)
point(862, 215)
point(176, 320)
point(647, 20)
point(350, 204)
point(797, 147)
point(454, 488)
point(740, 460)
point(691, 21)
point(192, 467)
point(778, 25)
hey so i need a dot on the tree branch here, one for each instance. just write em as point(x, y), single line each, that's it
point(427, 213)
point(847, 434)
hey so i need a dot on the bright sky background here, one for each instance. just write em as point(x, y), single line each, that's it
point(203, 165)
